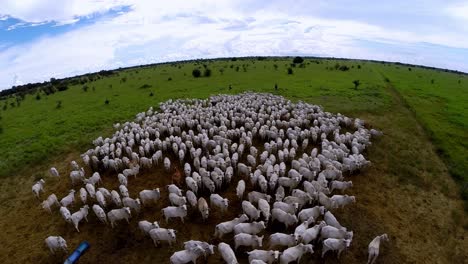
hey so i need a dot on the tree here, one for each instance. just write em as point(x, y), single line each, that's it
point(196, 73)
point(290, 71)
point(207, 72)
point(356, 84)
point(298, 60)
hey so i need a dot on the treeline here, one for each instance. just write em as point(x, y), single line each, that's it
point(53, 85)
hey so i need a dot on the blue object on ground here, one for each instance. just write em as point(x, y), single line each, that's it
point(79, 251)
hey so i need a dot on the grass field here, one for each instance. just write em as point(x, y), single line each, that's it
point(407, 193)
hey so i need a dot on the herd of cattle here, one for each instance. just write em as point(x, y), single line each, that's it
point(293, 156)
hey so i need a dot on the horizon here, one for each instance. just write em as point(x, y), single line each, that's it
point(40, 40)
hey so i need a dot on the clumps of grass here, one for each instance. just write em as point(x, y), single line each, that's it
point(145, 86)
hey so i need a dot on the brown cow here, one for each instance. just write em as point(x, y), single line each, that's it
point(177, 177)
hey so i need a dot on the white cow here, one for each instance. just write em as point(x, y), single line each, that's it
point(175, 211)
point(91, 190)
point(49, 202)
point(38, 187)
point(342, 200)
point(288, 208)
point(250, 210)
point(177, 200)
point(116, 198)
point(294, 254)
point(264, 207)
point(191, 198)
point(77, 176)
point(78, 216)
point(172, 188)
point(339, 185)
point(147, 196)
point(333, 232)
point(228, 226)
point(162, 234)
point(65, 214)
point(227, 253)
point(374, 247)
point(254, 196)
point(300, 229)
point(203, 208)
point(146, 226)
point(249, 228)
point(265, 256)
point(247, 240)
point(133, 204)
point(56, 243)
point(119, 214)
point(331, 220)
point(280, 239)
point(69, 199)
point(122, 179)
point(83, 195)
point(123, 191)
point(101, 199)
point(283, 217)
point(191, 184)
point(240, 189)
point(167, 164)
point(334, 244)
point(186, 256)
point(54, 172)
point(218, 201)
point(313, 212)
point(100, 213)
point(312, 233)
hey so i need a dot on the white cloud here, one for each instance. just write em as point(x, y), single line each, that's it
point(154, 32)
point(36, 11)
point(458, 11)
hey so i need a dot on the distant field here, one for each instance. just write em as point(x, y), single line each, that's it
point(408, 192)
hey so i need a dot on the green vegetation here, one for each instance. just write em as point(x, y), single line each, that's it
point(67, 117)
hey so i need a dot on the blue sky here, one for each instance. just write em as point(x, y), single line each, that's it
point(41, 39)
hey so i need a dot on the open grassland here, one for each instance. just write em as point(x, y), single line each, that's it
point(407, 193)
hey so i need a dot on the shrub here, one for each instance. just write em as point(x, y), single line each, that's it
point(59, 104)
point(62, 87)
point(151, 94)
point(207, 72)
point(196, 73)
point(233, 59)
point(1, 129)
point(38, 96)
point(145, 86)
point(276, 86)
point(356, 84)
point(169, 79)
point(5, 107)
point(290, 71)
point(107, 101)
point(124, 79)
point(237, 68)
point(298, 60)
point(432, 81)
point(85, 88)
point(359, 66)
point(409, 69)
point(221, 71)
point(344, 68)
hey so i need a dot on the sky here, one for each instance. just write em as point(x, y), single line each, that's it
point(43, 39)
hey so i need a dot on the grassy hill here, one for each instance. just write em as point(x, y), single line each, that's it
point(422, 112)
